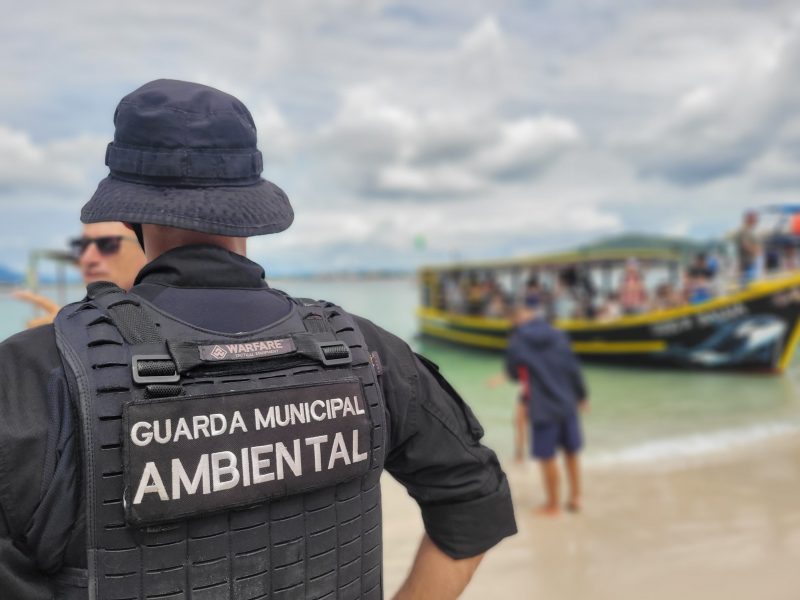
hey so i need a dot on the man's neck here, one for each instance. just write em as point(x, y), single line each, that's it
point(159, 239)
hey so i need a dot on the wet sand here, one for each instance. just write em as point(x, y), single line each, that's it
point(724, 526)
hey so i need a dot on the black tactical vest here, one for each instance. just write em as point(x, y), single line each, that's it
point(225, 466)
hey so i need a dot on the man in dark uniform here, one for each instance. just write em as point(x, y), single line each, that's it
point(541, 359)
point(206, 436)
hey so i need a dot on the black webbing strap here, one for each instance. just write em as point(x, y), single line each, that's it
point(163, 390)
point(313, 316)
point(125, 311)
point(328, 352)
point(156, 368)
point(133, 323)
point(320, 347)
point(158, 373)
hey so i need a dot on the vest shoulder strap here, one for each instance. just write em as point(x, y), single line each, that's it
point(127, 313)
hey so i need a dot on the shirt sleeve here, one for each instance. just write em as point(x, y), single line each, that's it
point(18, 576)
point(23, 429)
point(35, 451)
point(435, 452)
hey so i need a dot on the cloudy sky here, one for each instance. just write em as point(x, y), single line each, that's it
point(486, 129)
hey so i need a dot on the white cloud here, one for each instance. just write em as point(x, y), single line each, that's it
point(62, 164)
point(532, 126)
point(276, 139)
point(717, 130)
point(379, 147)
point(525, 145)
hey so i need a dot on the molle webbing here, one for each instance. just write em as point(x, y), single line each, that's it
point(324, 543)
point(127, 313)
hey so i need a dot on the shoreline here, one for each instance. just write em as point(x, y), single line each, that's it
point(723, 526)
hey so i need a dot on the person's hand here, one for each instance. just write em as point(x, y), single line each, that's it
point(583, 406)
point(48, 306)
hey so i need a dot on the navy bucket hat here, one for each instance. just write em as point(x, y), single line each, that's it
point(184, 155)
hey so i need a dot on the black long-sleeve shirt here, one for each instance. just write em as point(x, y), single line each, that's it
point(434, 448)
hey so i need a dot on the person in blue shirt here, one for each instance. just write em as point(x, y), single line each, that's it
point(541, 359)
point(700, 276)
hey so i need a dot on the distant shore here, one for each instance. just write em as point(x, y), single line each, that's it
point(726, 526)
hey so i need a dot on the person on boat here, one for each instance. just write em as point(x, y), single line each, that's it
point(452, 294)
point(611, 309)
point(633, 295)
point(476, 296)
point(589, 299)
point(532, 287)
point(547, 299)
point(565, 305)
point(105, 252)
point(699, 280)
point(497, 307)
point(748, 248)
point(667, 296)
point(540, 358)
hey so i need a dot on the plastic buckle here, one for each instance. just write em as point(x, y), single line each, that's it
point(336, 348)
point(147, 379)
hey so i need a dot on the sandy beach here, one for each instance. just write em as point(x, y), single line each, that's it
point(725, 525)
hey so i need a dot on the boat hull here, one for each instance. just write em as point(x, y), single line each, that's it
point(754, 329)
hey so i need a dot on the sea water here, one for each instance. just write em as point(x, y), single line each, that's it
point(637, 415)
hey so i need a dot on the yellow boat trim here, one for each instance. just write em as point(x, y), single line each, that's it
point(645, 347)
point(473, 339)
point(485, 323)
point(592, 347)
point(788, 351)
point(755, 290)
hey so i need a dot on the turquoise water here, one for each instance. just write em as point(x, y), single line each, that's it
point(636, 415)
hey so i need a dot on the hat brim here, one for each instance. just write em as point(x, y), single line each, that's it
point(238, 211)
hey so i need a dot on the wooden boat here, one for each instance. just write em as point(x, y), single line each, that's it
point(754, 328)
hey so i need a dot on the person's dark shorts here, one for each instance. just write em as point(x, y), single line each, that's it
point(548, 436)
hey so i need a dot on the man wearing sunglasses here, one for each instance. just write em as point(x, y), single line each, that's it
point(108, 252)
point(207, 436)
point(105, 252)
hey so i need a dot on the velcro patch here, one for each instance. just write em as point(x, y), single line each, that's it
point(246, 350)
point(197, 454)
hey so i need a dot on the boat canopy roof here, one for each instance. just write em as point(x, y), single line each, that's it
point(589, 257)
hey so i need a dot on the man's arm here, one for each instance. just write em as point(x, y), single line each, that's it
point(49, 307)
point(26, 360)
point(436, 454)
point(436, 576)
point(18, 575)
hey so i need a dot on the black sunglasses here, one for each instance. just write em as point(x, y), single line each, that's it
point(107, 245)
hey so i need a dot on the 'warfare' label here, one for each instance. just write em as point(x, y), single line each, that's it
point(191, 455)
point(246, 350)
